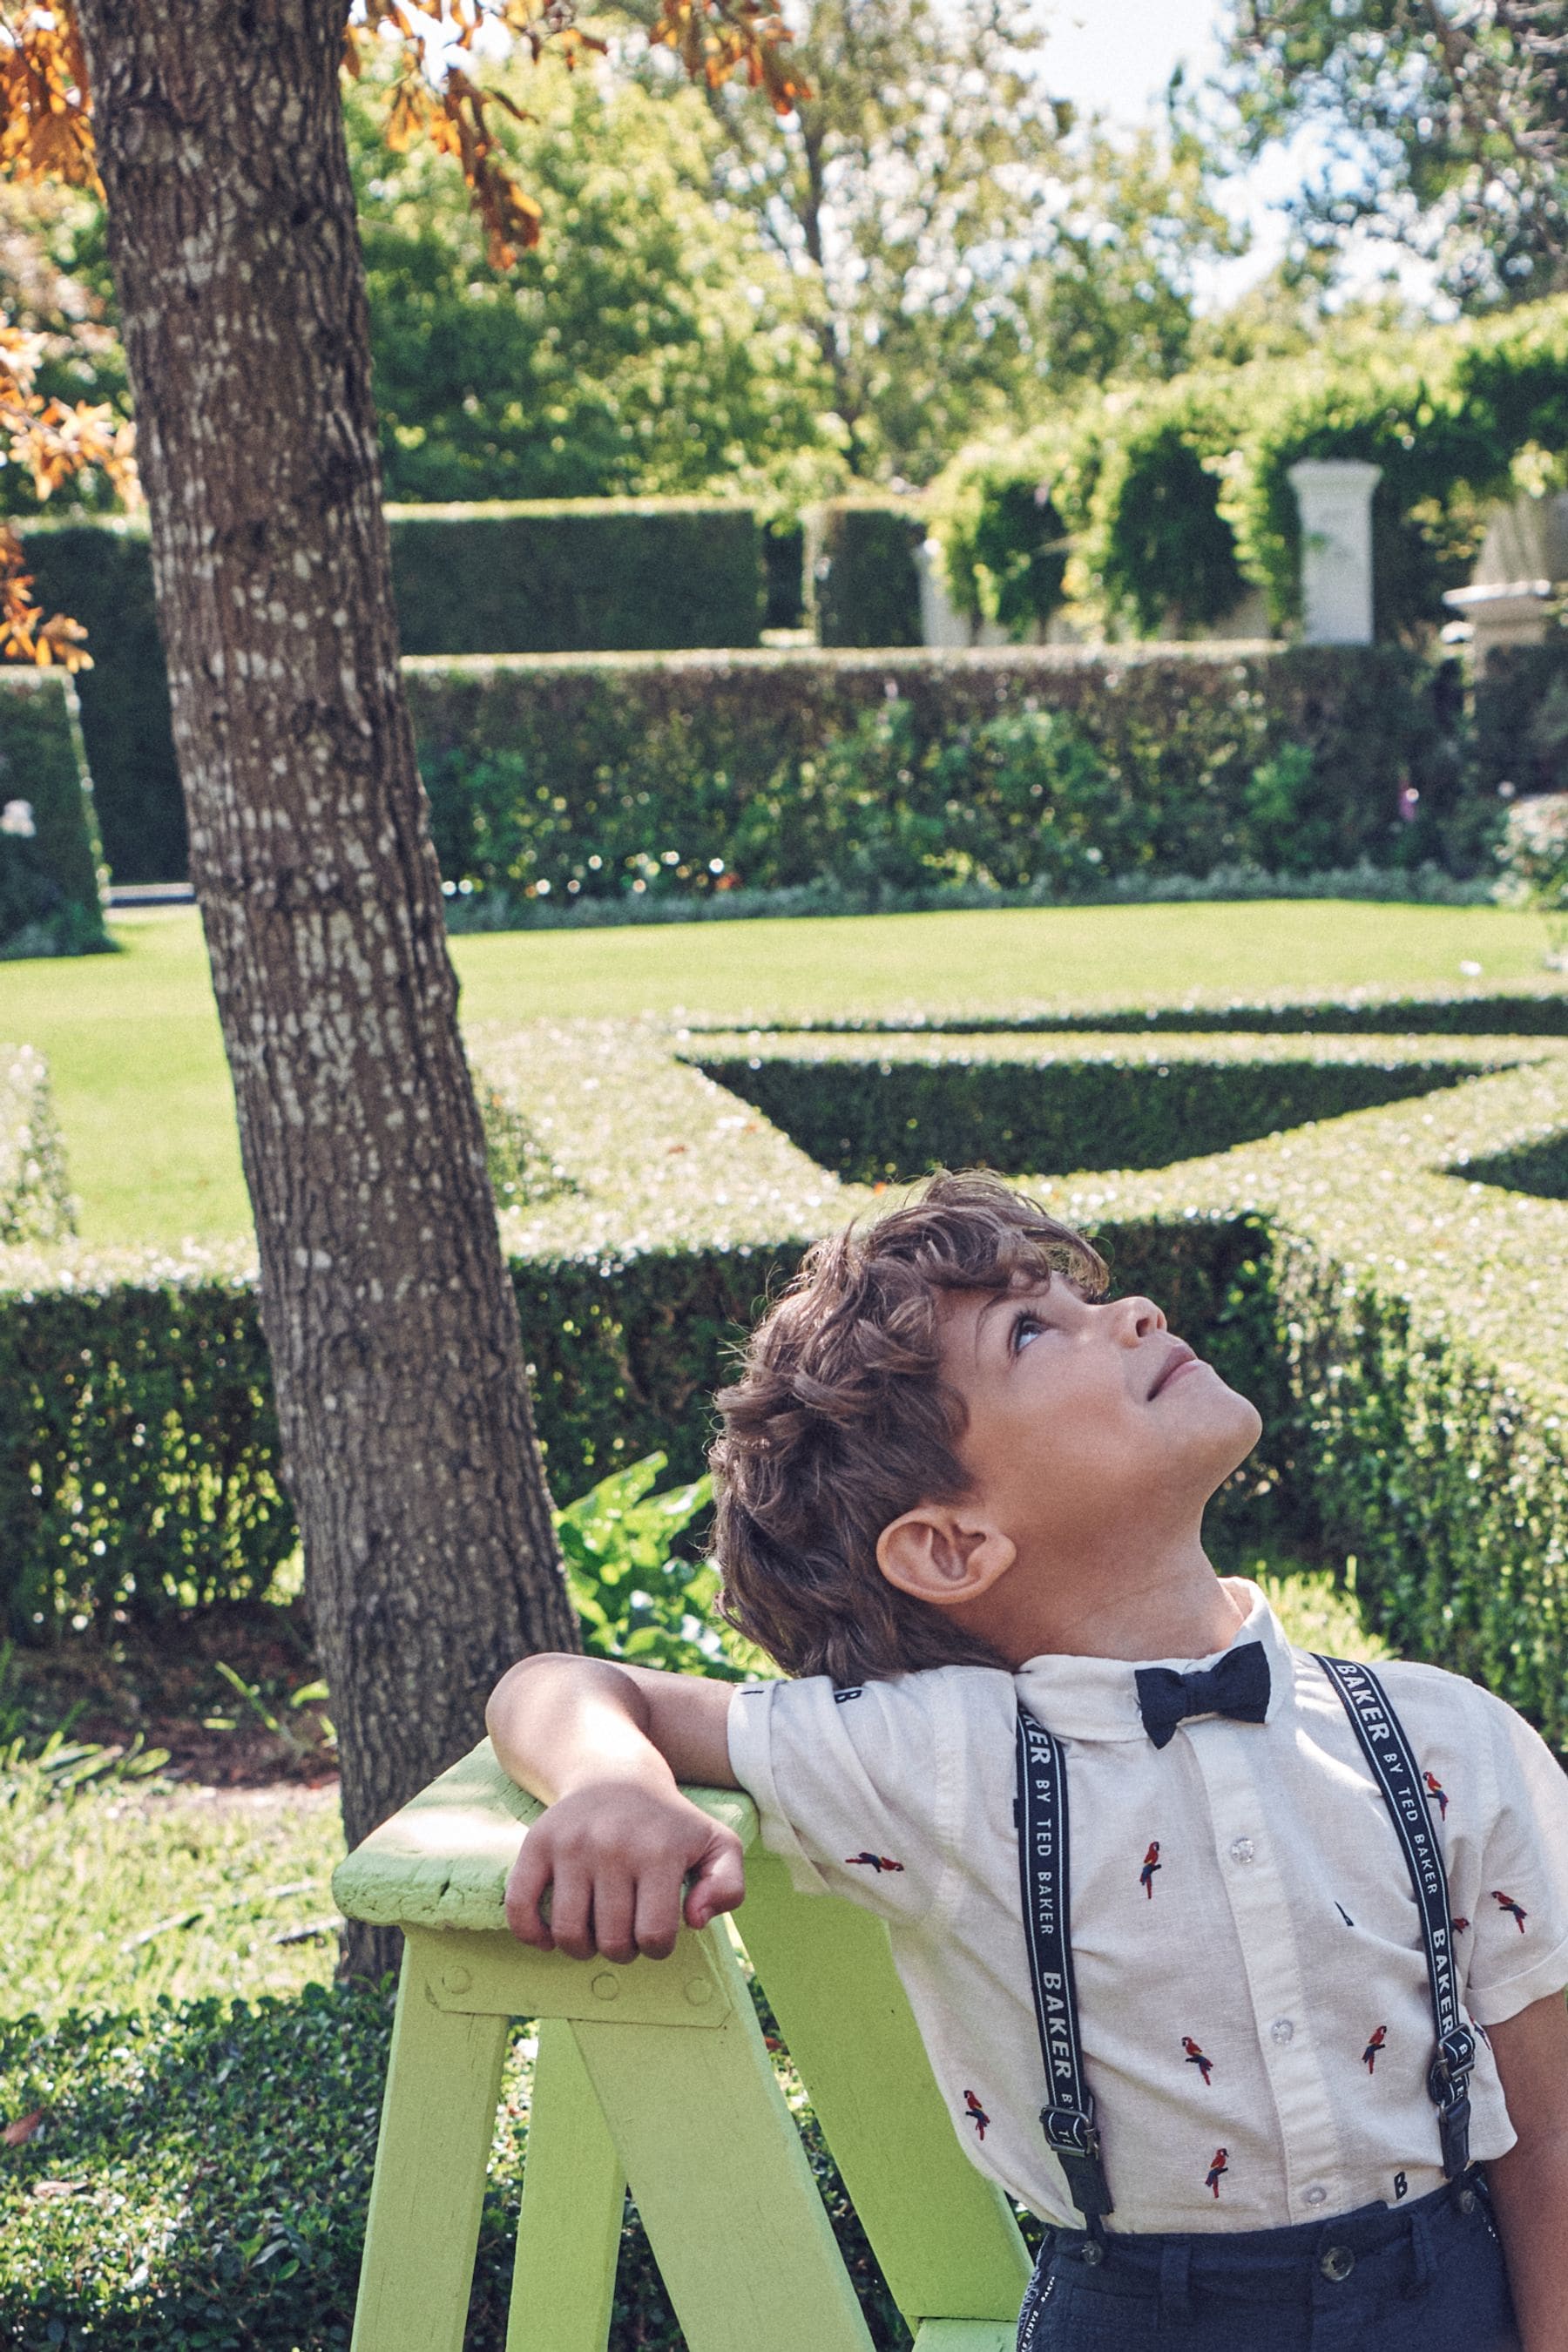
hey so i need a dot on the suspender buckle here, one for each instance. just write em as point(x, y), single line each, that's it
point(1448, 2087)
point(1073, 2138)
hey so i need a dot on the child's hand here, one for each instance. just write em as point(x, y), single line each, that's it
point(615, 1857)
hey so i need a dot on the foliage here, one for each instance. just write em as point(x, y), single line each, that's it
point(34, 1192)
point(635, 1598)
point(680, 778)
point(1535, 859)
point(648, 344)
point(1177, 498)
point(562, 575)
point(1443, 129)
point(966, 251)
point(101, 570)
point(1023, 1107)
point(861, 584)
point(176, 2230)
point(48, 846)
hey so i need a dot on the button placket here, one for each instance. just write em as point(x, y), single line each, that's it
point(1265, 1934)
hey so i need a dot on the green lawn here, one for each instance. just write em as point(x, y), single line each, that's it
point(143, 1093)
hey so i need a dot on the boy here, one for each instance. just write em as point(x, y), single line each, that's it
point(960, 1497)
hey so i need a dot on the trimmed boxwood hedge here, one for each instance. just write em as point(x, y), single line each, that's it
point(101, 573)
point(49, 900)
point(862, 587)
point(559, 575)
point(952, 1101)
point(537, 576)
point(681, 775)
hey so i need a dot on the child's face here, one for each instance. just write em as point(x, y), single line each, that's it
point(1087, 1424)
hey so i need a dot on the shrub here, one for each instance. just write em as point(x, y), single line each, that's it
point(35, 1196)
point(177, 2230)
point(862, 587)
point(101, 573)
point(684, 776)
point(48, 844)
point(554, 575)
point(1027, 1108)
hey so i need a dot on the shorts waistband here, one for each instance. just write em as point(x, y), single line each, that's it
point(1369, 2230)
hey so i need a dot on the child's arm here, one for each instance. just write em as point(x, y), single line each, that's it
point(604, 1745)
point(1530, 2184)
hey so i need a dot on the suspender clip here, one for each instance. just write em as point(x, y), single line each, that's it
point(1447, 2085)
point(1073, 2138)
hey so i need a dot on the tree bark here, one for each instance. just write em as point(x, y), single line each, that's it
point(408, 1441)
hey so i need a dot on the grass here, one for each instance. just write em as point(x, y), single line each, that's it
point(143, 1094)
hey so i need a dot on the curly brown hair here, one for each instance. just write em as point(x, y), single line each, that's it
point(840, 1421)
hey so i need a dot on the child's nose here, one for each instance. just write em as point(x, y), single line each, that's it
point(1137, 1318)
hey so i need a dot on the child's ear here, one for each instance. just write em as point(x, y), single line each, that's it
point(935, 1554)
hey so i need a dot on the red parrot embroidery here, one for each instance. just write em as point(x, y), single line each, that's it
point(1152, 1862)
point(1217, 2171)
point(1196, 2058)
point(977, 2115)
point(1434, 1789)
point(1369, 2055)
point(1460, 1924)
point(1516, 1911)
point(877, 1862)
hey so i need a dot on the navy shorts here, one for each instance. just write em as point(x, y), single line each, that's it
point(1427, 2277)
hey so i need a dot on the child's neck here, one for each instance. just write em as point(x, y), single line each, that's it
point(1170, 1604)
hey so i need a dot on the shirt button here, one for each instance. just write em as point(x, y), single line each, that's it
point(1316, 2195)
point(1282, 2030)
point(1241, 1850)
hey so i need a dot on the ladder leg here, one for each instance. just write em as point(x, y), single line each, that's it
point(436, 2123)
point(574, 2196)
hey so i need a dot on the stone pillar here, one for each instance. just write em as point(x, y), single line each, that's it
point(1334, 494)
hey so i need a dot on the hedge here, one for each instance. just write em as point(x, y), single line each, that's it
point(686, 775)
point(177, 2230)
point(101, 573)
point(1380, 1281)
point(34, 1195)
point(950, 1101)
point(559, 575)
point(601, 574)
point(862, 587)
point(1175, 498)
point(49, 900)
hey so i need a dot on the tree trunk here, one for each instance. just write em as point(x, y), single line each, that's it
point(408, 1441)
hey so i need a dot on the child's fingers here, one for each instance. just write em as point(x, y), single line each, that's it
point(614, 1898)
point(719, 1883)
point(572, 1911)
point(658, 1913)
point(525, 1891)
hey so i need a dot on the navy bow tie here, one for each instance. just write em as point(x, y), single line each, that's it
point(1237, 1686)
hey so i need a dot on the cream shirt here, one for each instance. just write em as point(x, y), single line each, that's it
point(1250, 1974)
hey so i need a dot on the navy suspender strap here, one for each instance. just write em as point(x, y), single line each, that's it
point(1387, 1751)
point(1067, 2118)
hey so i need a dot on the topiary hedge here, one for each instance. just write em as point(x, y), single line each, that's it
point(1383, 1281)
point(49, 898)
point(950, 1101)
point(560, 576)
point(682, 776)
point(101, 573)
point(862, 585)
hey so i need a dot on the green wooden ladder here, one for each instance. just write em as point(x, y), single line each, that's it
point(657, 2074)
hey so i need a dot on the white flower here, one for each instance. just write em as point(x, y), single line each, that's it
point(16, 817)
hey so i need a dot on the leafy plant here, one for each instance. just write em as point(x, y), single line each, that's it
point(636, 1598)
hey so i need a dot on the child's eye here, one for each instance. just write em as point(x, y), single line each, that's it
point(1025, 1328)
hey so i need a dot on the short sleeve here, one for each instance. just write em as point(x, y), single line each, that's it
point(1520, 1951)
point(856, 1788)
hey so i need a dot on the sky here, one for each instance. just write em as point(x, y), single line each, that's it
point(1115, 58)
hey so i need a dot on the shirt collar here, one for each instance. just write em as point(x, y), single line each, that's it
point(1097, 1698)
